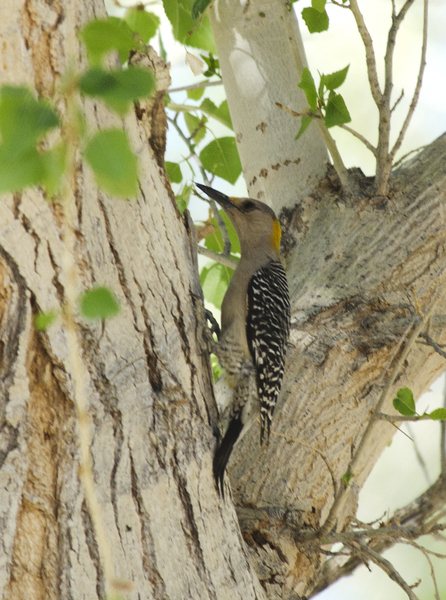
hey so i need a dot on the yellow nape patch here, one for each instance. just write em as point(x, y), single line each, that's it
point(277, 234)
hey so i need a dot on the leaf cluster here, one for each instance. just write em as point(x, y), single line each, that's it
point(404, 403)
point(324, 101)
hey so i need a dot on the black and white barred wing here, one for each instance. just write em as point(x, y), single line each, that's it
point(268, 328)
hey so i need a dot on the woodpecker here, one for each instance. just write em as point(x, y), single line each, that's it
point(255, 323)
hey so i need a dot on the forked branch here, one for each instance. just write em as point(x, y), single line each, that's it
point(382, 97)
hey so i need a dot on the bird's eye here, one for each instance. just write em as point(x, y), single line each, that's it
point(248, 205)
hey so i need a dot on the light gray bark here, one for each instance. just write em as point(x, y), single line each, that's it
point(262, 56)
point(149, 383)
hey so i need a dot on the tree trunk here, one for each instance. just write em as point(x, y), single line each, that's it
point(149, 383)
point(351, 264)
point(262, 56)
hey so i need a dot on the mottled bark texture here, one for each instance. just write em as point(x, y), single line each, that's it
point(351, 264)
point(149, 382)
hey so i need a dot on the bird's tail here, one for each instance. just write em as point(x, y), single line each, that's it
point(244, 408)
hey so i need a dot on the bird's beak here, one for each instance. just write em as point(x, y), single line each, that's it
point(222, 199)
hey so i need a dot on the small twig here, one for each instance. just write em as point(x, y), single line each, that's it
point(304, 113)
point(386, 566)
point(194, 86)
point(397, 102)
point(401, 418)
point(386, 532)
point(416, 94)
point(430, 342)
point(419, 456)
point(419, 547)
point(426, 553)
point(224, 260)
point(215, 211)
point(360, 137)
point(188, 108)
point(403, 158)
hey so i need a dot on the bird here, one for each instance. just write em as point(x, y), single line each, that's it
point(255, 324)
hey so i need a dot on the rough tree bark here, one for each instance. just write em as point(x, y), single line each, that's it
point(149, 384)
point(351, 263)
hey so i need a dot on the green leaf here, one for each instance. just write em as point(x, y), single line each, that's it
point(214, 281)
point(43, 320)
point(334, 80)
point(23, 119)
point(196, 126)
point(103, 35)
point(307, 85)
point(221, 158)
point(185, 30)
point(216, 368)
point(183, 198)
point(173, 171)
point(117, 88)
point(316, 21)
point(439, 414)
point(19, 171)
point(319, 5)
point(195, 94)
point(221, 113)
point(144, 23)
point(304, 123)
point(212, 63)
point(336, 112)
point(404, 402)
point(347, 477)
point(113, 163)
point(214, 241)
point(99, 303)
point(198, 8)
point(54, 162)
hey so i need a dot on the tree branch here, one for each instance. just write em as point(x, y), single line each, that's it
point(195, 86)
point(416, 95)
point(365, 552)
point(430, 342)
point(361, 138)
point(223, 259)
point(369, 52)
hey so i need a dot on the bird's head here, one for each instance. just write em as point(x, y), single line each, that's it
point(255, 222)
